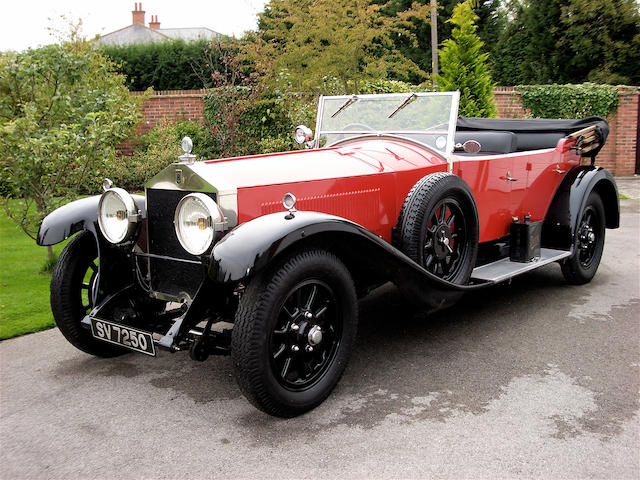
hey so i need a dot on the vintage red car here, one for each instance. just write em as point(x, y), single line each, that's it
point(265, 257)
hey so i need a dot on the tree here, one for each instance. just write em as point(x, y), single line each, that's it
point(62, 112)
point(313, 42)
point(464, 66)
point(602, 40)
point(234, 90)
point(569, 41)
point(529, 44)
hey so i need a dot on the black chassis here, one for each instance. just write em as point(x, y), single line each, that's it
point(252, 248)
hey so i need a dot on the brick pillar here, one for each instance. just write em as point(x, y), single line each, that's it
point(138, 14)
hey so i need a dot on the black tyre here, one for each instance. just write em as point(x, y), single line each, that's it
point(72, 282)
point(293, 334)
point(588, 245)
point(438, 227)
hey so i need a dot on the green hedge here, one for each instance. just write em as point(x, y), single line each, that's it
point(569, 101)
point(169, 65)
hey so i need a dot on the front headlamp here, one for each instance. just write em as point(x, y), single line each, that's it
point(197, 219)
point(117, 215)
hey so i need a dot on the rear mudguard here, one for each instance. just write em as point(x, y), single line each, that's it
point(562, 218)
point(74, 217)
point(254, 246)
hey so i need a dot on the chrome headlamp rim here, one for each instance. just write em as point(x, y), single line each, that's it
point(131, 212)
point(302, 134)
point(215, 221)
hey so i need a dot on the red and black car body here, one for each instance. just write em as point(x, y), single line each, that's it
point(417, 206)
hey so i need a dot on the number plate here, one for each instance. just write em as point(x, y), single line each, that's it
point(126, 336)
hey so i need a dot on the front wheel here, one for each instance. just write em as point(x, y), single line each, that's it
point(588, 245)
point(72, 294)
point(293, 333)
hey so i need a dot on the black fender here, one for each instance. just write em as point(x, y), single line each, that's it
point(562, 218)
point(75, 216)
point(62, 223)
point(253, 246)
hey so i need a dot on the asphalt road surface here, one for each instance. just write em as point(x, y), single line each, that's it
point(534, 379)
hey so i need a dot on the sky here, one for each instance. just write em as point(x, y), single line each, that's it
point(24, 23)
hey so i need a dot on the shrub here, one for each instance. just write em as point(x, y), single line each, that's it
point(464, 66)
point(63, 110)
point(569, 101)
point(388, 86)
point(158, 149)
point(170, 65)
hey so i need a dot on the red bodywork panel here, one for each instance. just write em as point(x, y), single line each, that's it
point(367, 180)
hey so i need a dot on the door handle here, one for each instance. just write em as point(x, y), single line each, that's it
point(509, 178)
point(557, 170)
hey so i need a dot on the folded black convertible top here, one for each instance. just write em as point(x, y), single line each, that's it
point(531, 125)
point(534, 125)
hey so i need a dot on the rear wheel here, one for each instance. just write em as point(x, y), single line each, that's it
point(294, 332)
point(588, 245)
point(72, 294)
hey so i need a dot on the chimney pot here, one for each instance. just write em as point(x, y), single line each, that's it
point(154, 24)
point(138, 14)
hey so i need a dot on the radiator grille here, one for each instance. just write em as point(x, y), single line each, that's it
point(167, 275)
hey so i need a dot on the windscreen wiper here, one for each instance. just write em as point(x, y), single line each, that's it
point(353, 99)
point(407, 101)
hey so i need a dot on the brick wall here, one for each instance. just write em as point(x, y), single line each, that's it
point(619, 153)
point(508, 102)
point(169, 105)
point(172, 105)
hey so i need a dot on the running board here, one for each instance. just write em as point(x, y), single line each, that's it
point(505, 269)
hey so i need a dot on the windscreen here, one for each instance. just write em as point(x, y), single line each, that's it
point(428, 118)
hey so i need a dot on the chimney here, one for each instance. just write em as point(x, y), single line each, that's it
point(138, 14)
point(154, 24)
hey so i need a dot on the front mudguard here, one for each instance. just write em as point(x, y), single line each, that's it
point(254, 246)
point(74, 217)
point(561, 221)
point(114, 266)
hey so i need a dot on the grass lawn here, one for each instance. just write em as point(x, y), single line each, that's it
point(24, 291)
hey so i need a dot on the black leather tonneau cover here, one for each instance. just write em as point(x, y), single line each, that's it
point(547, 130)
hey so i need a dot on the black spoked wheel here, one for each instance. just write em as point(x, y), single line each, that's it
point(581, 267)
point(72, 294)
point(306, 336)
point(438, 226)
point(293, 333)
point(445, 239)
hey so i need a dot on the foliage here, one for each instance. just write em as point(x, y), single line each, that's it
point(603, 39)
point(569, 41)
point(24, 291)
point(170, 65)
point(283, 143)
point(464, 67)
point(529, 44)
point(156, 150)
point(235, 89)
point(344, 39)
point(391, 86)
point(63, 110)
point(569, 101)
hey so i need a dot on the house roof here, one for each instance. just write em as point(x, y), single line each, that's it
point(137, 33)
point(132, 34)
point(194, 33)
